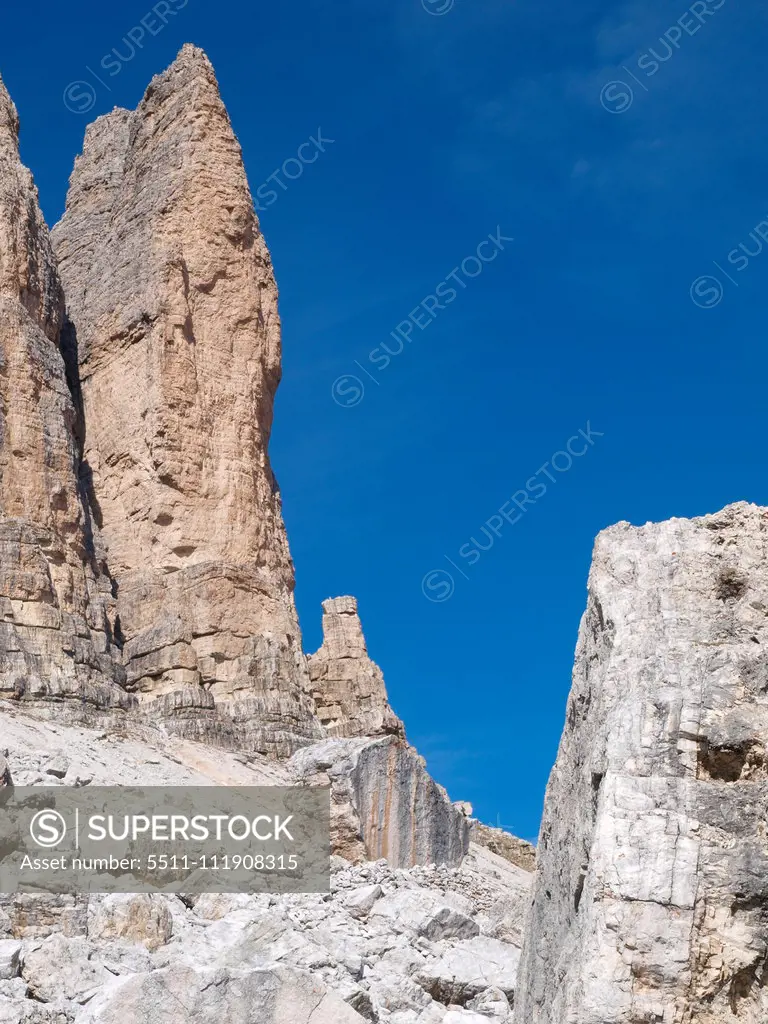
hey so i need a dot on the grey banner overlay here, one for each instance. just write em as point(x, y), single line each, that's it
point(155, 839)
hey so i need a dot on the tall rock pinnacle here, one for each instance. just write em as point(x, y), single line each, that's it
point(348, 687)
point(173, 305)
point(55, 601)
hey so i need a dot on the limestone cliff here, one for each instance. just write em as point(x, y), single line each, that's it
point(56, 608)
point(348, 688)
point(144, 567)
point(651, 902)
point(172, 307)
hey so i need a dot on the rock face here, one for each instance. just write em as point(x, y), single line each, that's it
point(348, 688)
point(56, 607)
point(384, 803)
point(172, 309)
point(651, 902)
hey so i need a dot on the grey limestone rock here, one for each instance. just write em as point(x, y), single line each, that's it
point(651, 899)
point(269, 995)
point(10, 950)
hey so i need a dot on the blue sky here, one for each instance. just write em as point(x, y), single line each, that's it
point(621, 146)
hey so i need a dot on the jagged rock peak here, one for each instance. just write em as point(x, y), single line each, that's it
point(173, 304)
point(192, 297)
point(9, 118)
point(348, 688)
point(191, 56)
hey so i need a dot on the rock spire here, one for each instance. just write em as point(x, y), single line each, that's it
point(172, 304)
point(348, 688)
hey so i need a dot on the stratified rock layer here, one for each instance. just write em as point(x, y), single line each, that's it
point(55, 599)
point(384, 803)
point(173, 314)
point(347, 687)
point(651, 902)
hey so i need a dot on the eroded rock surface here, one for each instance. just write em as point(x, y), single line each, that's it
point(172, 308)
point(651, 902)
point(56, 608)
point(384, 802)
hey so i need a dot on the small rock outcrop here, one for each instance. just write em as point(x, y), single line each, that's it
point(515, 850)
point(384, 802)
point(651, 900)
point(57, 614)
point(348, 688)
point(172, 312)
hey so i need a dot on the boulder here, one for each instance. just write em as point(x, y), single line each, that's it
point(58, 767)
point(61, 968)
point(139, 918)
point(466, 969)
point(427, 914)
point(269, 995)
point(361, 902)
point(10, 951)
